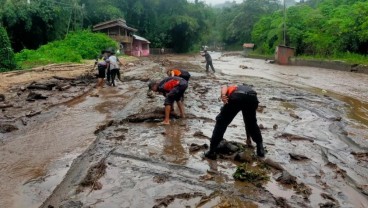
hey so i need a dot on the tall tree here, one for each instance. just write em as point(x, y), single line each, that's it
point(7, 61)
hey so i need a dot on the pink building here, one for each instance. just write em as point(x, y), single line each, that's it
point(140, 46)
point(129, 43)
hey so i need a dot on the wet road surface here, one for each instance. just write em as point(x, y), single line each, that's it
point(143, 164)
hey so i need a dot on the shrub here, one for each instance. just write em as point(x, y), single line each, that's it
point(7, 61)
point(74, 48)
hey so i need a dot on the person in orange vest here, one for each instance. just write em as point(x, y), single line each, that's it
point(178, 73)
point(173, 88)
point(237, 98)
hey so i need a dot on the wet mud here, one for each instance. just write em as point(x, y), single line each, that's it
point(316, 147)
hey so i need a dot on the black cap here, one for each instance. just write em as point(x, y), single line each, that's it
point(110, 50)
point(151, 84)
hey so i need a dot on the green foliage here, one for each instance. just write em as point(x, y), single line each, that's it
point(318, 28)
point(238, 21)
point(7, 61)
point(248, 173)
point(31, 25)
point(75, 47)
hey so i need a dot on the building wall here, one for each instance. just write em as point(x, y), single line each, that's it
point(283, 55)
point(140, 48)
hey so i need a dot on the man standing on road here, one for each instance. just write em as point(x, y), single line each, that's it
point(173, 88)
point(178, 73)
point(208, 61)
point(237, 98)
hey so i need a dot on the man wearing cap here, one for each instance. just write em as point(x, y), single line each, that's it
point(208, 58)
point(173, 89)
point(113, 67)
point(178, 73)
point(237, 98)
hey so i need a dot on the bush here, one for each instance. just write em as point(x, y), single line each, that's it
point(74, 48)
point(7, 61)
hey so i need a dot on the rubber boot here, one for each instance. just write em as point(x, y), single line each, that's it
point(260, 150)
point(211, 155)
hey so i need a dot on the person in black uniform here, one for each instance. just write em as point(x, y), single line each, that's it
point(173, 88)
point(178, 73)
point(237, 98)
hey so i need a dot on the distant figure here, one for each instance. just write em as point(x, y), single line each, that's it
point(101, 67)
point(121, 48)
point(208, 61)
point(113, 64)
point(162, 50)
point(137, 51)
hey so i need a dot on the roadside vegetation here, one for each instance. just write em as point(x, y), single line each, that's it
point(6, 52)
point(74, 48)
point(328, 29)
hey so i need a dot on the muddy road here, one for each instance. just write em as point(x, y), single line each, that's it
point(83, 147)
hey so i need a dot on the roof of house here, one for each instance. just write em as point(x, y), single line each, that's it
point(140, 38)
point(113, 23)
point(248, 45)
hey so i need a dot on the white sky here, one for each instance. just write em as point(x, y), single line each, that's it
point(214, 2)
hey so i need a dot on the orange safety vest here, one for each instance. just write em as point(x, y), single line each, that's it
point(231, 89)
point(177, 72)
point(168, 86)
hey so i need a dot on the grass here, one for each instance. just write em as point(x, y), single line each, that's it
point(350, 58)
point(73, 49)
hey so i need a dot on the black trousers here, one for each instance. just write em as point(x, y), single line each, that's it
point(114, 72)
point(108, 74)
point(209, 63)
point(248, 104)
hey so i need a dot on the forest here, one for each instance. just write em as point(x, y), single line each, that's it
point(318, 28)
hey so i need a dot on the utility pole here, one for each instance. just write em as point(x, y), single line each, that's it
point(284, 23)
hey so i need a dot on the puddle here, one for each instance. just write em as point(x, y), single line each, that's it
point(36, 190)
point(288, 105)
point(52, 135)
point(279, 190)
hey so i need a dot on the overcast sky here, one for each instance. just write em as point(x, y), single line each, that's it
point(214, 2)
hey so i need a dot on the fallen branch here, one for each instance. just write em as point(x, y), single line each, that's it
point(6, 106)
point(63, 78)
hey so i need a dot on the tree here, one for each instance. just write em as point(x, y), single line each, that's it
point(7, 61)
point(244, 17)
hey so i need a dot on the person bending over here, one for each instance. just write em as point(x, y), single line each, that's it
point(237, 98)
point(173, 88)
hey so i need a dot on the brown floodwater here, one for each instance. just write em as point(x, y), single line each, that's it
point(27, 153)
point(150, 162)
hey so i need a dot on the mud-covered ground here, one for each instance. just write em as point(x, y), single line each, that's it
point(83, 147)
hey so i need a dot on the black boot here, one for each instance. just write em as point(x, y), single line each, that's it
point(260, 150)
point(210, 155)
